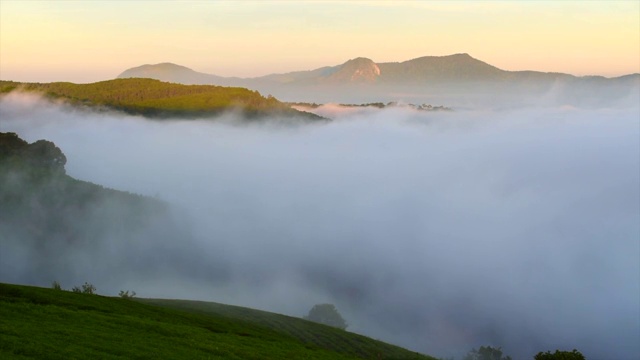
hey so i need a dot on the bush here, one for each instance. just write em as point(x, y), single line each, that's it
point(126, 295)
point(486, 353)
point(560, 355)
point(326, 314)
point(87, 288)
point(56, 285)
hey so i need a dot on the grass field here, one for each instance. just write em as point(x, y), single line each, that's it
point(322, 336)
point(53, 324)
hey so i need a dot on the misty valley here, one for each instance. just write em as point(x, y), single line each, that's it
point(463, 222)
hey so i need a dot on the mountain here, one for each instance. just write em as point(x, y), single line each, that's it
point(452, 68)
point(423, 70)
point(458, 78)
point(359, 70)
point(172, 73)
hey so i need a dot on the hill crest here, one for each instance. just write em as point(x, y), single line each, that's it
point(160, 99)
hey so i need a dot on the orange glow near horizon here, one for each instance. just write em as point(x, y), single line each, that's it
point(92, 41)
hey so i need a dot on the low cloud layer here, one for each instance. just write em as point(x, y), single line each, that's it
point(437, 231)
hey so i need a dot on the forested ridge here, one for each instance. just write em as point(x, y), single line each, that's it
point(157, 99)
point(40, 203)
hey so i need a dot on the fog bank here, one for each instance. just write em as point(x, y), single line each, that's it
point(436, 231)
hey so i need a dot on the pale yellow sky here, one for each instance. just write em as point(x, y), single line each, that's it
point(86, 41)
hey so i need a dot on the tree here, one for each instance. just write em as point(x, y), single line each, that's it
point(326, 314)
point(560, 355)
point(56, 285)
point(87, 288)
point(46, 154)
point(11, 144)
point(126, 294)
point(486, 353)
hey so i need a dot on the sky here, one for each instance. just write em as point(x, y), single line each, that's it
point(88, 41)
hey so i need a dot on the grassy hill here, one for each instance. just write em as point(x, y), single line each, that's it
point(53, 223)
point(55, 324)
point(322, 336)
point(154, 98)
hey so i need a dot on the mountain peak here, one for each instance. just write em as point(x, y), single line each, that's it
point(448, 68)
point(170, 72)
point(154, 69)
point(461, 57)
point(358, 70)
point(358, 61)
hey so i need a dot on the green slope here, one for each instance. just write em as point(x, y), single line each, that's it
point(43, 208)
point(54, 324)
point(154, 98)
point(306, 331)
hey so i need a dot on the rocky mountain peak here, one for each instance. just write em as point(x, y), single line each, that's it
point(358, 70)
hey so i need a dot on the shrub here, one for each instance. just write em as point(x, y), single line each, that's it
point(126, 295)
point(56, 285)
point(560, 355)
point(86, 288)
point(486, 353)
point(326, 314)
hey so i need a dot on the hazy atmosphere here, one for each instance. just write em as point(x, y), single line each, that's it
point(448, 174)
point(99, 39)
point(436, 231)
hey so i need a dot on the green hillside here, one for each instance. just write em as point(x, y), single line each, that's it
point(55, 324)
point(154, 98)
point(55, 226)
point(42, 205)
point(308, 332)
point(48, 216)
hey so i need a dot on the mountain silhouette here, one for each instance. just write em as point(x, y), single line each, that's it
point(443, 78)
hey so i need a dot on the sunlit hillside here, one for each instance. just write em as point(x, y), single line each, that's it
point(153, 98)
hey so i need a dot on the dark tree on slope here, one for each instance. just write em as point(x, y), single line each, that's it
point(46, 154)
point(326, 314)
point(486, 353)
point(42, 154)
point(560, 355)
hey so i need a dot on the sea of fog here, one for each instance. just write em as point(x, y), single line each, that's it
point(436, 231)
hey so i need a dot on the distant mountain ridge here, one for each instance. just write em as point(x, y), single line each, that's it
point(455, 80)
point(169, 72)
point(457, 67)
point(451, 68)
